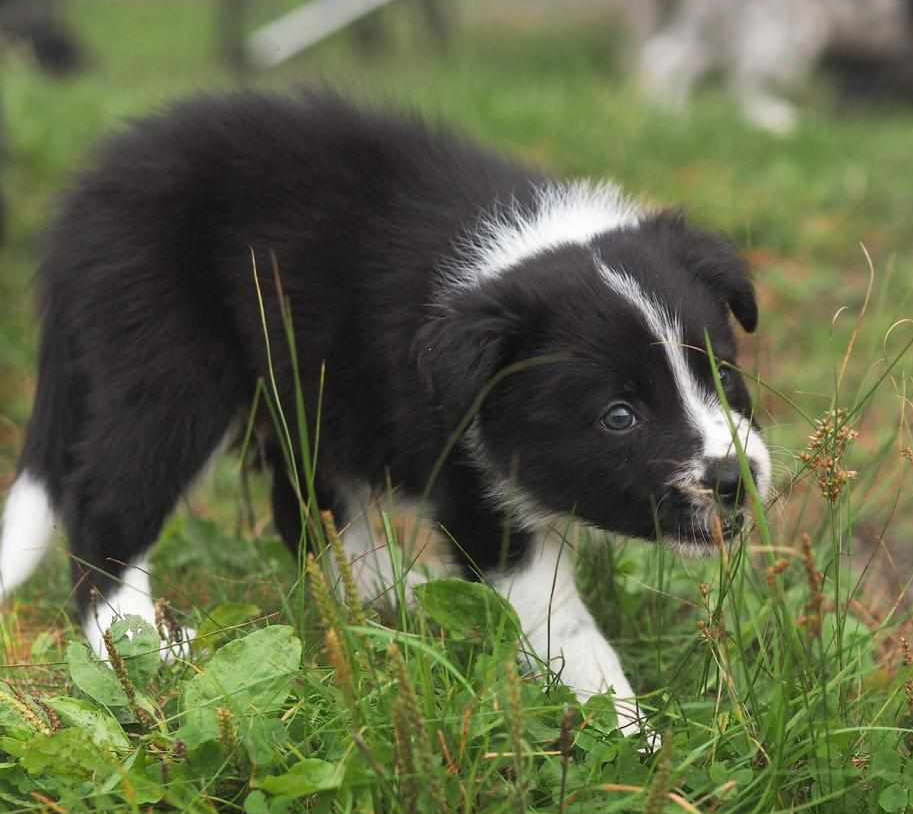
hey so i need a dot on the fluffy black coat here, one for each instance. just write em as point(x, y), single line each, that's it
point(153, 340)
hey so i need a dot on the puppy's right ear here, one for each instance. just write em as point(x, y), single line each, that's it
point(714, 260)
point(461, 348)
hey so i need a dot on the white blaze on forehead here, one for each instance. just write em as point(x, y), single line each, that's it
point(560, 214)
point(704, 410)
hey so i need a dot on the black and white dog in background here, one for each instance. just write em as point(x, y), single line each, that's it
point(417, 267)
point(765, 48)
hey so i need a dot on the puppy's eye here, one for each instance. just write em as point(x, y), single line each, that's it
point(725, 377)
point(619, 417)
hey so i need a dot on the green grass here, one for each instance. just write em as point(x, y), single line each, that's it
point(777, 690)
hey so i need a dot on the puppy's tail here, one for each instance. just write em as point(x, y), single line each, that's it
point(29, 517)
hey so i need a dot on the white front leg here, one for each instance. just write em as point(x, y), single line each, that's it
point(562, 632)
point(130, 596)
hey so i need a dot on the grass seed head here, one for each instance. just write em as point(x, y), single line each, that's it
point(422, 751)
point(24, 710)
point(341, 667)
point(515, 721)
point(565, 744)
point(123, 678)
point(50, 714)
point(861, 761)
point(715, 631)
point(404, 761)
point(326, 607)
point(659, 787)
point(228, 734)
point(812, 618)
point(353, 600)
point(773, 571)
point(117, 664)
point(825, 452)
point(166, 624)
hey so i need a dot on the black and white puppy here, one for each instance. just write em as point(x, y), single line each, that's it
point(417, 267)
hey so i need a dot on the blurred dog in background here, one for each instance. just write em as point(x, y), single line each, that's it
point(765, 48)
point(40, 27)
point(37, 25)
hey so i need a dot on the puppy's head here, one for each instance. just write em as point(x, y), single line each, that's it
point(600, 400)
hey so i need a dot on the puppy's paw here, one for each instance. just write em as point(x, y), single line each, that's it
point(591, 667)
point(632, 722)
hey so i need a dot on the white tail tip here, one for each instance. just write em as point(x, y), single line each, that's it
point(28, 526)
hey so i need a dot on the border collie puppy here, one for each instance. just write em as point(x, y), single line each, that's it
point(428, 278)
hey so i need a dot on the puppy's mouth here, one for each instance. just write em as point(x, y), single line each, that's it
point(694, 521)
point(705, 531)
point(729, 525)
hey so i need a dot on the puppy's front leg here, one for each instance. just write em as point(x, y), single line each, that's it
point(562, 632)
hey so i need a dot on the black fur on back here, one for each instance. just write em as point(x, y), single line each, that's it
point(153, 340)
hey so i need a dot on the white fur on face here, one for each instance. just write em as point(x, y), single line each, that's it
point(561, 214)
point(560, 630)
point(28, 527)
point(703, 409)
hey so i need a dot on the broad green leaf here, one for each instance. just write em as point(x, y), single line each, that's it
point(893, 798)
point(251, 677)
point(719, 773)
point(264, 739)
point(305, 778)
point(105, 731)
point(137, 780)
point(93, 677)
point(68, 753)
point(229, 615)
point(469, 611)
point(256, 803)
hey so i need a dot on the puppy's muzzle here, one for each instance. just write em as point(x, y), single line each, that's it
point(723, 477)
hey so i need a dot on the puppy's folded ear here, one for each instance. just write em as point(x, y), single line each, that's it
point(714, 260)
point(461, 348)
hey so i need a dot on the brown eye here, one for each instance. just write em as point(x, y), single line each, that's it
point(619, 417)
point(725, 377)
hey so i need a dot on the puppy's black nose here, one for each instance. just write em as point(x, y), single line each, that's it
point(724, 478)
